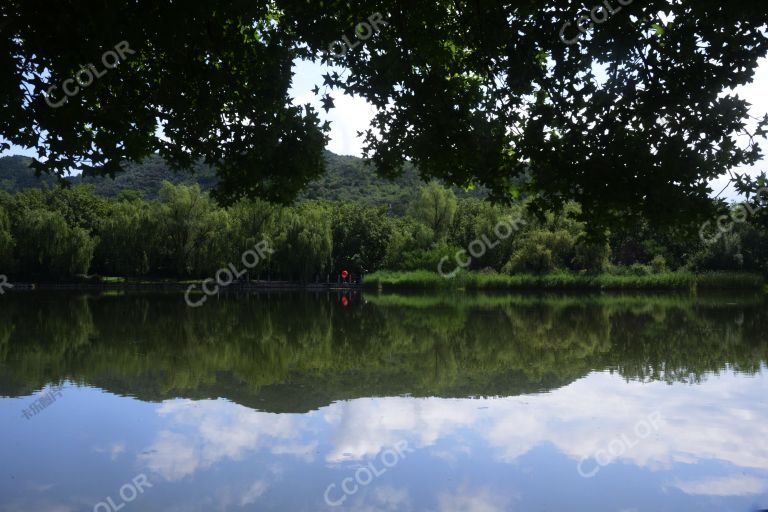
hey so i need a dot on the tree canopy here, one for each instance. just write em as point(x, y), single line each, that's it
point(632, 119)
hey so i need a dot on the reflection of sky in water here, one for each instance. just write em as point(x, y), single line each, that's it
point(710, 451)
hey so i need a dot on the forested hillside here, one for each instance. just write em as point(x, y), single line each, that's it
point(15, 175)
point(347, 179)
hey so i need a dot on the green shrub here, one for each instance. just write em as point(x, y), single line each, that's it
point(591, 257)
point(638, 269)
point(710, 280)
point(429, 259)
point(535, 258)
point(659, 264)
point(556, 281)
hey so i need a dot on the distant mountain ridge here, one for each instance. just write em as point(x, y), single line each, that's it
point(347, 178)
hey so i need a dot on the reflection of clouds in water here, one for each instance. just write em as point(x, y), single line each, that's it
point(452, 456)
point(305, 452)
point(224, 498)
point(38, 507)
point(363, 428)
point(478, 500)
point(172, 455)
point(380, 499)
point(114, 450)
point(220, 430)
point(578, 420)
point(390, 498)
point(736, 485)
point(258, 488)
point(36, 487)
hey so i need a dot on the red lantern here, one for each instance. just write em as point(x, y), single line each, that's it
point(344, 301)
point(344, 274)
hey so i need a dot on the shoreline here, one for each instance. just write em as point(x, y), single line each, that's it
point(467, 281)
point(179, 286)
point(666, 281)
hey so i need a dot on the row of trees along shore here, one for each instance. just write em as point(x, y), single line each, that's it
point(60, 233)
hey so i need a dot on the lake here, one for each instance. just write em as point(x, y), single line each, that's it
point(383, 402)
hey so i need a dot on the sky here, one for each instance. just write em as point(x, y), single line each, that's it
point(354, 114)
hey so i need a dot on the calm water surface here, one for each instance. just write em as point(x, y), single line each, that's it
point(302, 402)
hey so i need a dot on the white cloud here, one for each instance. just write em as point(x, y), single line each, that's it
point(172, 455)
point(391, 498)
point(114, 450)
point(363, 428)
point(306, 451)
point(350, 115)
point(36, 487)
point(479, 500)
point(220, 430)
point(579, 420)
point(736, 485)
point(37, 507)
point(258, 488)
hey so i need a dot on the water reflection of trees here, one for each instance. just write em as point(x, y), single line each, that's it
point(296, 352)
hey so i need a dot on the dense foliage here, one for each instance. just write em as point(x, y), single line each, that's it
point(632, 120)
point(51, 234)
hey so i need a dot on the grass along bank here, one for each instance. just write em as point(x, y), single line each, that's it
point(679, 280)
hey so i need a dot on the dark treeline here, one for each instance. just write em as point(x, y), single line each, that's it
point(52, 234)
point(253, 351)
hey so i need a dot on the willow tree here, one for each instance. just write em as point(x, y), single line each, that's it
point(621, 106)
point(7, 243)
point(435, 207)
